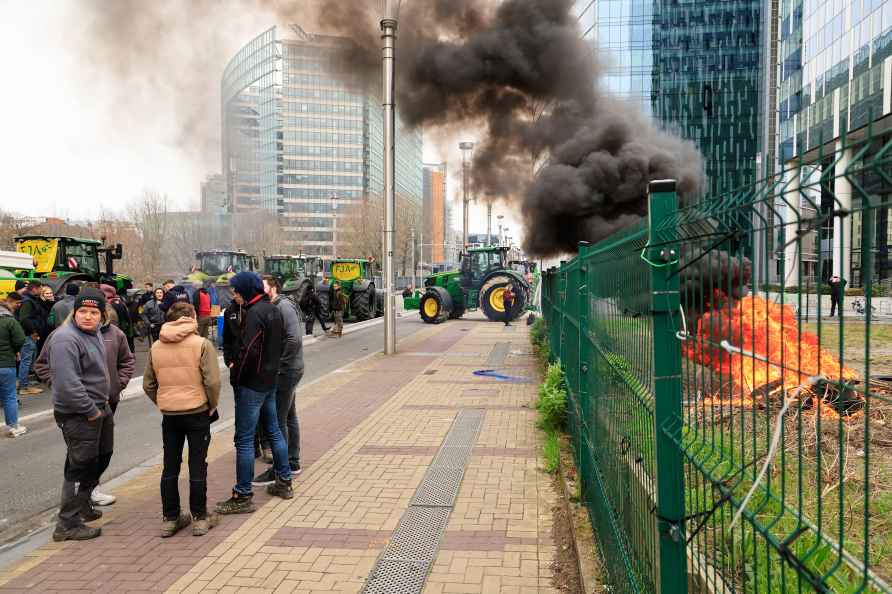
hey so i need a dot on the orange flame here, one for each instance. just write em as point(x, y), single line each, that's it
point(775, 351)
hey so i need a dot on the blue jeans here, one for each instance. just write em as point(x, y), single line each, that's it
point(7, 396)
point(27, 353)
point(249, 406)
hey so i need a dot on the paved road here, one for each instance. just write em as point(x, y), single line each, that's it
point(31, 466)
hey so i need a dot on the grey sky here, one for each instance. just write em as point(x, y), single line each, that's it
point(80, 139)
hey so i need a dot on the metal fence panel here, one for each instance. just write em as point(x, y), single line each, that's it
point(730, 437)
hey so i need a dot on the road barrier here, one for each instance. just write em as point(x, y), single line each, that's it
point(725, 441)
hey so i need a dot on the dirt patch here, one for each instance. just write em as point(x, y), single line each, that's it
point(565, 567)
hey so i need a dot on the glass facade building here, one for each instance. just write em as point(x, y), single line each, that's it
point(834, 78)
point(694, 66)
point(302, 144)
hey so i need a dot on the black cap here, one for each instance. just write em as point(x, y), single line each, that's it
point(90, 297)
point(20, 284)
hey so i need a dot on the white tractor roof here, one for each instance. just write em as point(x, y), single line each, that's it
point(16, 260)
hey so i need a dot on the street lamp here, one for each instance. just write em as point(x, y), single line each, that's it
point(334, 228)
point(466, 148)
point(388, 35)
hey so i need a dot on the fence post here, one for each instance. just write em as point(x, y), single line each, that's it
point(663, 258)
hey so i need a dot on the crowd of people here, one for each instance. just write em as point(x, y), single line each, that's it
point(81, 347)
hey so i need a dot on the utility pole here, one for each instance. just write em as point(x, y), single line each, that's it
point(466, 148)
point(334, 227)
point(388, 35)
point(489, 223)
point(414, 266)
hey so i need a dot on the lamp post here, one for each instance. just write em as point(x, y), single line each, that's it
point(466, 148)
point(414, 267)
point(388, 36)
point(334, 226)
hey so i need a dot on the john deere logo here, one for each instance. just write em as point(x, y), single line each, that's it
point(346, 271)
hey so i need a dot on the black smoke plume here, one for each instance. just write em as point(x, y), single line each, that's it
point(574, 161)
point(523, 70)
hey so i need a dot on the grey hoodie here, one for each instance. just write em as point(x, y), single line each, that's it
point(292, 360)
point(80, 374)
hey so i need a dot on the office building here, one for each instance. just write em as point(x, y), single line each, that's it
point(213, 194)
point(300, 143)
point(695, 67)
point(434, 213)
point(835, 77)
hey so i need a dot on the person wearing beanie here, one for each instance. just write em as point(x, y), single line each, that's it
point(259, 345)
point(21, 287)
point(80, 388)
point(182, 378)
point(62, 308)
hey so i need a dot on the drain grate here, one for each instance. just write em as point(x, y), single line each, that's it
point(452, 457)
point(397, 576)
point(406, 561)
point(439, 487)
point(417, 536)
point(498, 354)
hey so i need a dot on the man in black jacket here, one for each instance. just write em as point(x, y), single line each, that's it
point(34, 319)
point(253, 376)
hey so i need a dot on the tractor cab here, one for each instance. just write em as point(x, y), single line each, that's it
point(63, 259)
point(478, 263)
point(283, 267)
point(220, 265)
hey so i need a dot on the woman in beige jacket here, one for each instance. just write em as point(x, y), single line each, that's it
point(182, 378)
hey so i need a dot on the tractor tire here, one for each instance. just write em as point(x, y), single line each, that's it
point(435, 305)
point(300, 293)
point(491, 299)
point(323, 291)
point(379, 303)
point(362, 304)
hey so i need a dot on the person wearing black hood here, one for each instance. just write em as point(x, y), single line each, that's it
point(176, 294)
point(253, 372)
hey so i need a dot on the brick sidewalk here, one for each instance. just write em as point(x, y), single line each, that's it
point(371, 434)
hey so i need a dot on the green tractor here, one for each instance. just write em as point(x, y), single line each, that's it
point(357, 280)
point(59, 261)
point(481, 282)
point(298, 274)
point(218, 266)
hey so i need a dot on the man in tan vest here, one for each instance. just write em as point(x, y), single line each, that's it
point(182, 378)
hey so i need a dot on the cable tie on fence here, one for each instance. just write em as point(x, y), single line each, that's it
point(682, 334)
point(658, 264)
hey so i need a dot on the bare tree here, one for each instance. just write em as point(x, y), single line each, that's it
point(149, 216)
point(11, 226)
point(361, 226)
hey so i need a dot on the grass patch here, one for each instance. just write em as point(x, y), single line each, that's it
point(539, 338)
point(848, 342)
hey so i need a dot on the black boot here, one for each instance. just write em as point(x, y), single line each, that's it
point(81, 532)
point(281, 488)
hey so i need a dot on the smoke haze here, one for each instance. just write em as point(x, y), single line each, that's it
point(573, 161)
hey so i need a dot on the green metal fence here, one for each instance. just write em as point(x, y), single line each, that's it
point(730, 436)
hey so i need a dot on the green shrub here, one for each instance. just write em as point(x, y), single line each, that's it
point(551, 451)
point(552, 403)
point(539, 338)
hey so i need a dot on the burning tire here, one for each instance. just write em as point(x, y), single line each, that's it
point(492, 303)
point(435, 305)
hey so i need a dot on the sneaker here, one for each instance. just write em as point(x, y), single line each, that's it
point(296, 469)
point(16, 431)
point(30, 391)
point(201, 526)
point(237, 504)
point(171, 527)
point(267, 477)
point(91, 515)
point(77, 533)
point(267, 455)
point(102, 499)
point(281, 489)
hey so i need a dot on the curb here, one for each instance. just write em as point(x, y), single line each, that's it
point(134, 386)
